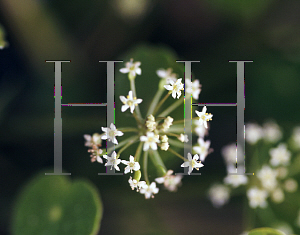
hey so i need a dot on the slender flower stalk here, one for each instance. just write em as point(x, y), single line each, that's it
point(145, 167)
point(155, 101)
point(172, 107)
point(160, 103)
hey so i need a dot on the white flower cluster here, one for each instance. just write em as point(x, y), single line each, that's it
point(271, 181)
point(152, 133)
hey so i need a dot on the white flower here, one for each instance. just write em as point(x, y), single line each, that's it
point(111, 133)
point(135, 184)
point(236, 180)
point(92, 140)
point(170, 181)
point(149, 190)
point(267, 177)
point(131, 165)
point(167, 123)
point(280, 155)
point(277, 195)
point(164, 146)
point(164, 138)
point(129, 102)
point(132, 68)
point(112, 161)
point(271, 132)
point(175, 88)
point(192, 163)
point(253, 133)
point(202, 149)
point(150, 123)
point(200, 130)
point(183, 138)
point(282, 172)
point(150, 141)
point(167, 75)
point(204, 117)
point(193, 88)
point(96, 152)
point(219, 195)
point(229, 153)
point(290, 185)
point(257, 197)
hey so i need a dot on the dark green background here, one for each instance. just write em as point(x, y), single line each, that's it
point(85, 32)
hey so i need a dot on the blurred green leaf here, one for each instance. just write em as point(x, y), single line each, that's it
point(55, 205)
point(236, 9)
point(265, 231)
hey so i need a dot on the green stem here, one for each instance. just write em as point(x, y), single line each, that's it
point(145, 167)
point(128, 129)
point(137, 108)
point(138, 152)
point(160, 103)
point(155, 101)
point(171, 108)
point(127, 145)
point(109, 150)
point(156, 159)
point(177, 154)
point(176, 143)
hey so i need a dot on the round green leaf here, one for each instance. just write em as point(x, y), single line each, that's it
point(51, 204)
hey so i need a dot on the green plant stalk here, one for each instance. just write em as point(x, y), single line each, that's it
point(145, 165)
point(177, 154)
point(127, 145)
point(109, 150)
point(128, 129)
point(155, 101)
point(160, 103)
point(138, 152)
point(172, 107)
point(156, 159)
point(176, 143)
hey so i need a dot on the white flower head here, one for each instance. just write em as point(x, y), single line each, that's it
point(150, 141)
point(183, 138)
point(149, 190)
point(132, 68)
point(135, 184)
point(271, 132)
point(290, 185)
point(111, 133)
point(175, 88)
point(95, 154)
point(267, 177)
point(277, 195)
point(150, 123)
point(193, 88)
point(229, 153)
point(200, 130)
point(257, 197)
point(219, 195)
point(204, 117)
point(282, 172)
point(167, 75)
point(192, 163)
point(164, 146)
point(171, 182)
point(167, 123)
point(236, 180)
point(280, 156)
point(112, 161)
point(202, 149)
point(129, 102)
point(164, 138)
point(131, 165)
point(253, 133)
point(92, 140)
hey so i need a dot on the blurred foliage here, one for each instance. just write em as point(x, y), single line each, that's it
point(54, 205)
point(265, 231)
